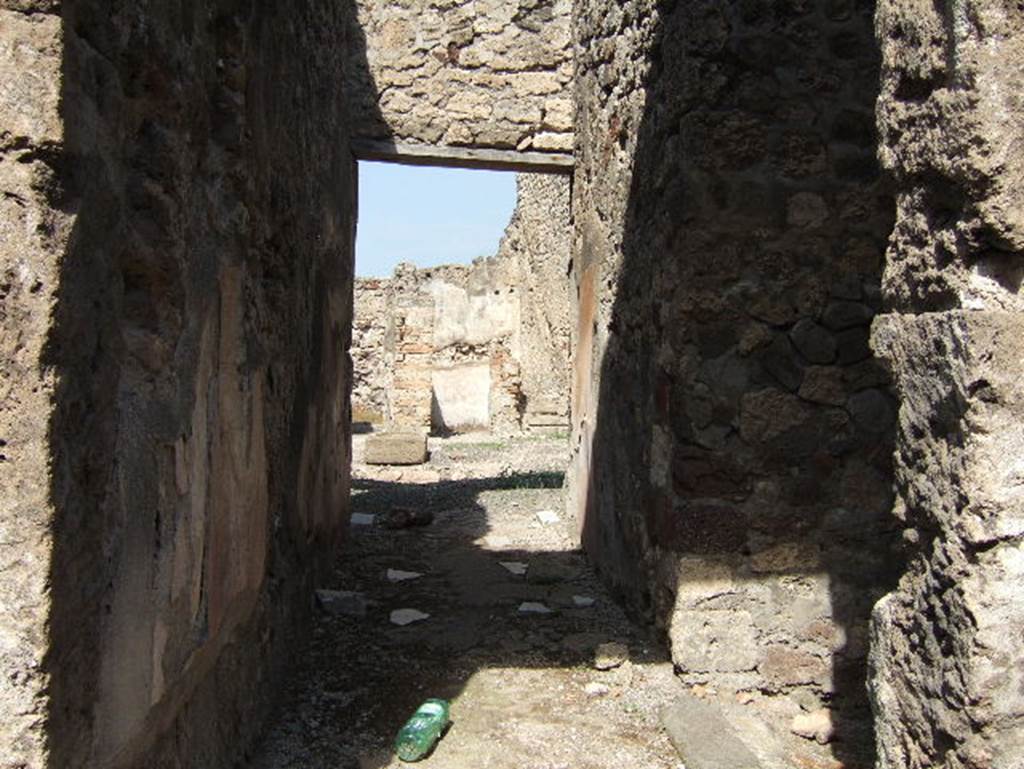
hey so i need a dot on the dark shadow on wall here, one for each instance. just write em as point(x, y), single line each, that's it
point(199, 342)
point(737, 488)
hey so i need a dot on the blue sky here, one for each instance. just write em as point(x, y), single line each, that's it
point(429, 216)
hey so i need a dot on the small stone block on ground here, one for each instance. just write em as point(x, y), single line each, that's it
point(395, 449)
point(707, 735)
point(610, 655)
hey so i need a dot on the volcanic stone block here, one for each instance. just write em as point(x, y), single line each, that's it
point(706, 737)
point(961, 425)
point(396, 449)
point(815, 343)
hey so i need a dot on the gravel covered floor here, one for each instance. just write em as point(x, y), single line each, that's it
point(525, 689)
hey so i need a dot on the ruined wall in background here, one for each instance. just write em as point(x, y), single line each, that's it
point(487, 343)
point(947, 658)
point(371, 376)
point(733, 436)
point(538, 241)
point(175, 233)
point(479, 73)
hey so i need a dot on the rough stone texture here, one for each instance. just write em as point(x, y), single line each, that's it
point(409, 358)
point(946, 653)
point(706, 737)
point(538, 243)
point(483, 346)
point(371, 376)
point(950, 116)
point(175, 241)
point(946, 656)
point(464, 73)
point(730, 223)
point(396, 449)
point(30, 237)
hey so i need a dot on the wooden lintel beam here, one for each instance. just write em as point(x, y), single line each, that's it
point(462, 157)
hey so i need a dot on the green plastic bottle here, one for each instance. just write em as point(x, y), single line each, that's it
point(420, 732)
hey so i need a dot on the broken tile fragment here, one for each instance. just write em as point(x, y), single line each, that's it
point(583, 600)
point(515, 567)
point(404, 617)
point(533, 607)
point(397, 575)
point(548, 517)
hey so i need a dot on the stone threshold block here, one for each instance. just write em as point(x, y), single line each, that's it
point(396, 448)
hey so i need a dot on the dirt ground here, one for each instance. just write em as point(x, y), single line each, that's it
point(524, 688)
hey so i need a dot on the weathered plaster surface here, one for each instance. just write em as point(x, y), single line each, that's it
point(176, 217)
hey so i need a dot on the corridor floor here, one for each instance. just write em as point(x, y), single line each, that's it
point(524, 687)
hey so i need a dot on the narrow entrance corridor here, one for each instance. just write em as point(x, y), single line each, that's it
point(524, 687)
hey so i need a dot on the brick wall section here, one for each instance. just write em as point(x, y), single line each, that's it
point(464, 73)
point(175, 240)
point(409, 355)
point(732, 434)
point(947, 657)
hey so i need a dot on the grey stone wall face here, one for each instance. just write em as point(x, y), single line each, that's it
point(371, 375)
point(464, 73)
point(733, 435)
point(538, 242)
point(946, 653)
point(175, 236)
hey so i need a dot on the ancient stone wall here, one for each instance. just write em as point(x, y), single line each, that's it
point(538, 242)
point(175, 239)
point(464, 73)
point(732, 434)
point(371, 376)
point(31, 235)
point(483, 346)
point(947, 659)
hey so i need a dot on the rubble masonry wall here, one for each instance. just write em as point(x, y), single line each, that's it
point(732, 433)
point(494, 333)
point(464, 73)
point(175, 241)
point(947, 663)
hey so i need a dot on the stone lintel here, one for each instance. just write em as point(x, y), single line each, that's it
point(407, 153)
